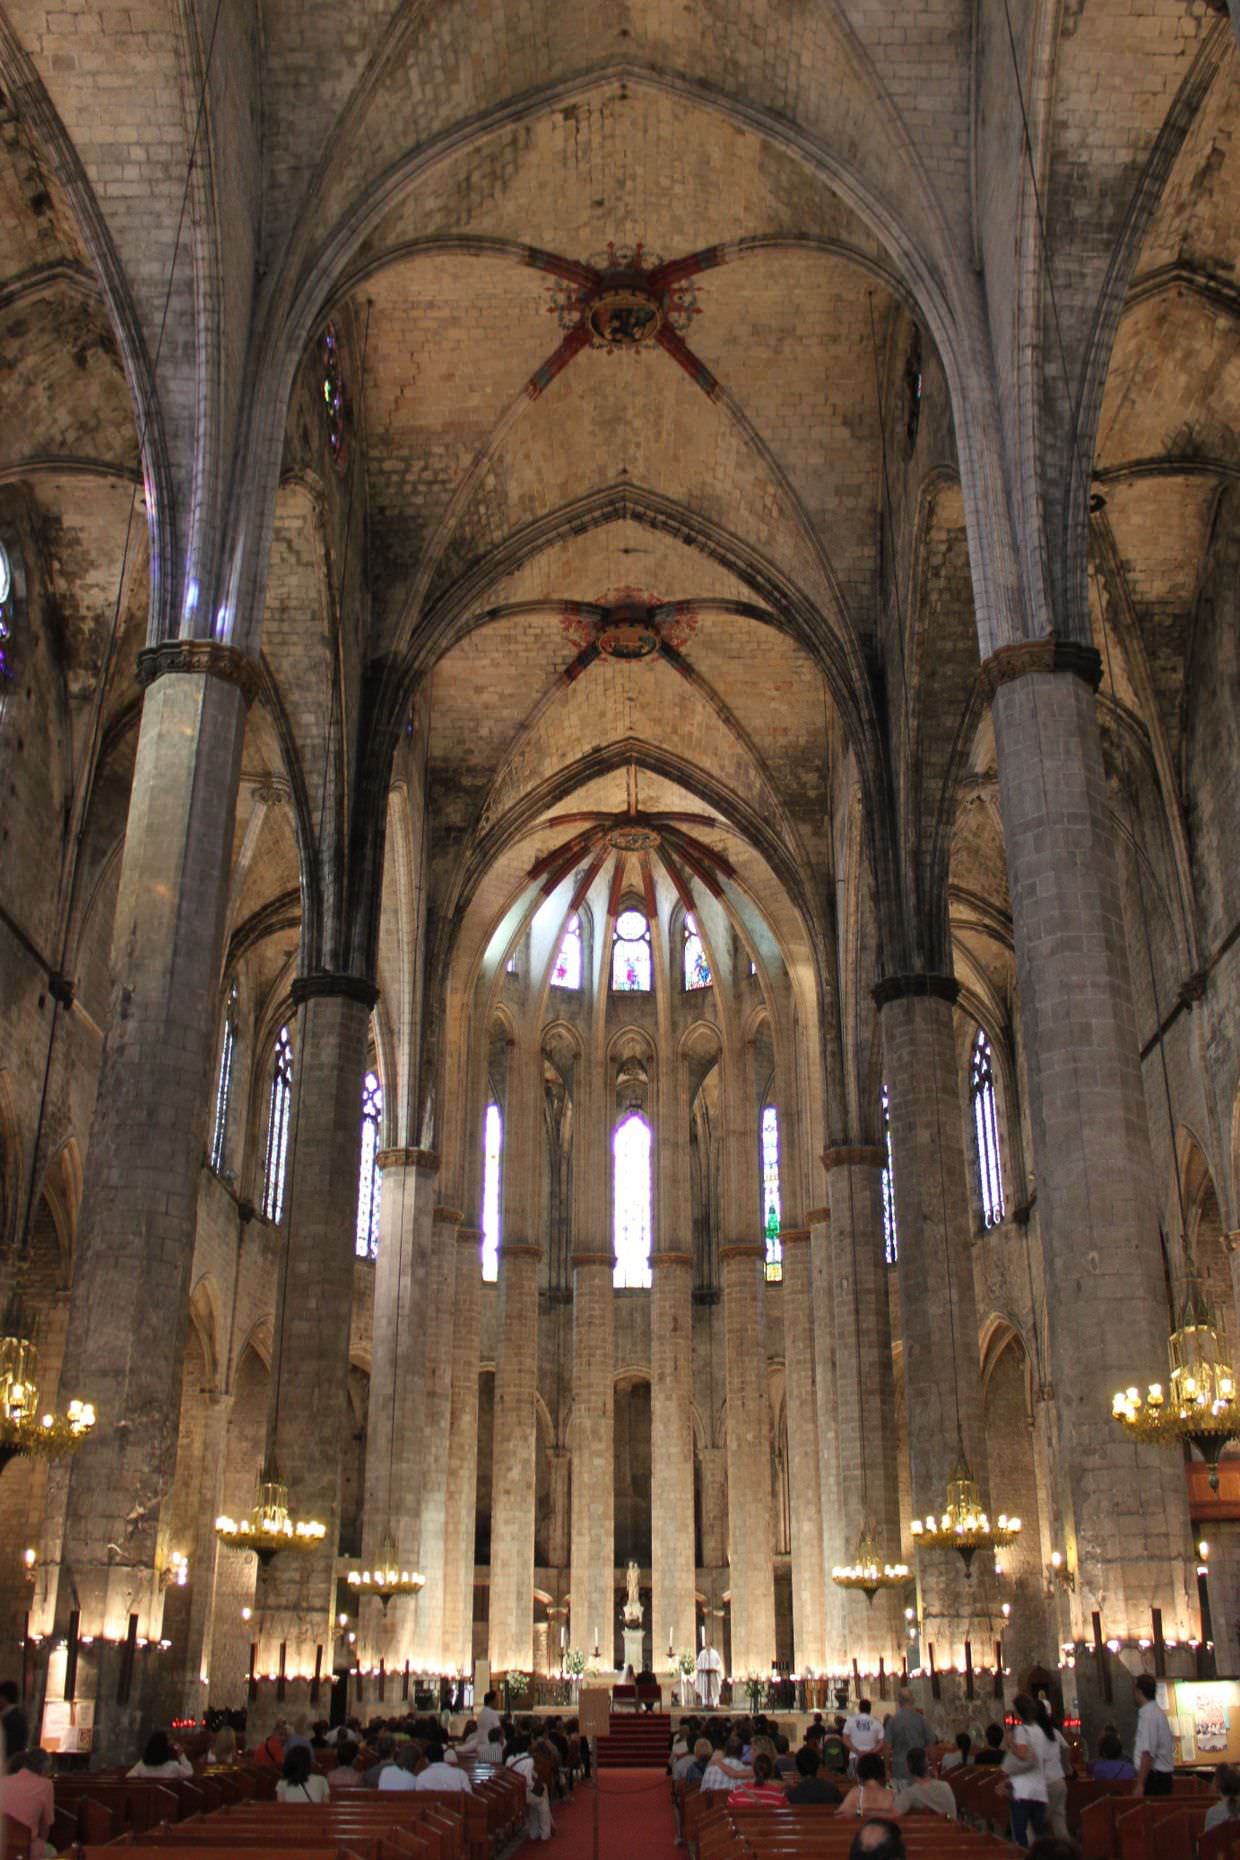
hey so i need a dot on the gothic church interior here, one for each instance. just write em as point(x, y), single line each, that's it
point(619, 681)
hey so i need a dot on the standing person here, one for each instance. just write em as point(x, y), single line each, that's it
point(1059, 1768)
point(1154, 1750)
point(863, 1734)
point(1029, 1750)
point(14, 1730)
point(907, 1730)
point(538, 1825)
point(488, 1719)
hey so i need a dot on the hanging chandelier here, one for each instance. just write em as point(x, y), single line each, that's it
point(387, 1578)
point(964, 1526)
point(1201, 1407)
point(269, 1528)
point(23, 1429)
point(868, 1571)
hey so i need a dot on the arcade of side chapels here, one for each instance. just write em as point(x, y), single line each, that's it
point(619, 823)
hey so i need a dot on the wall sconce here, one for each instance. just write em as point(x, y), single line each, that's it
point(29, 1560)
point(1057, 1572)
point(177, 1573)
point(247, 1614)
point(1203, 1558)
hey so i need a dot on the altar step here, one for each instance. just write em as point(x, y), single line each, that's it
point(635, 1740)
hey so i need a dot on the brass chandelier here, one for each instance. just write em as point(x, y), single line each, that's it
point(268, 1527)
point(868, 1572)
point(964, 1526)
point(386, 1578)
point(1200, 1406)
point(23, 1428)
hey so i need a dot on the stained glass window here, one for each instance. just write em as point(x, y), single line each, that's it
point(770, 1193)
point(335, 400)
point(370, 1177)
point(492, 1154)
point(567, 970)
point(223, 1084)
point(279, 1107)
point(630, 954)
point(753, 967)
point(510, 967)
point(631, 1200)
point(6, 615)
point(697, 969)
point(986, 1131)
point(891, 1245)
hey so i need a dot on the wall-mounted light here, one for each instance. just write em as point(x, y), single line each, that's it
point(1058, 1573)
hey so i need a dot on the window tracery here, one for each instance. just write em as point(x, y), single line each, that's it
point(696, 967)
point(986, 1130)
point(631, 1202)
point(370, 1178)
point(6, 615)
point(223, 1084)
point(630, 954)
point(278, 1110)
point(335, 399)
point(891, 1240)
point(771, 1208)
point(492, 1157)
point(567, 970)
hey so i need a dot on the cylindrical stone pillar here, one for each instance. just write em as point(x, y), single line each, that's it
point(672, 1570)
point(808, 1629)
point(140, 1207)
point(818, 1220)
point(437, 1338)
point(405, 1292)
point(865, 1441)
point(749, 1461)
point(938, 1306)
point(458, 1627)
point(593, 1449)
point(1124, 1507)
point(306, 1428)
point(513, 1478)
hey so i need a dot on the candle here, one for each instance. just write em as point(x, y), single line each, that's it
point(702, 1631)
point(596, 1637)
point(563, 1632)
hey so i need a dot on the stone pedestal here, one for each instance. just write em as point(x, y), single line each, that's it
point(634, 1642)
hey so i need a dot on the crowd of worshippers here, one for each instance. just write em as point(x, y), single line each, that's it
point(879, 1770)
point(386, 1754)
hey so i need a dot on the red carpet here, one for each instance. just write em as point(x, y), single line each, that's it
point(634, 1817)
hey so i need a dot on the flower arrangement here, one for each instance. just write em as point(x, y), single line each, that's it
point(576, 1662)
point(755, 1690)
point(518, 1683)
point(686, 1663)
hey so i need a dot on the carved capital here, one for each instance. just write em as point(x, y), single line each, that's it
point(594, 1259)
point(854, 1156)
point(326, 986)
point(200, 658)
point(671, 1259)
point(915, 987)
point(408, 1159)
point(520, 1249)
point(447, 1217)
point(1048, 654)
point(741, 1249)
point(818, 1217)
point(470, 1237)
point(793, 1236)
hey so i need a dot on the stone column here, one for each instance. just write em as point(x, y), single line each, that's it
point(672, 1570)
point(592, 1445)
point(1124, 1508)
point(865, 1440)
point(458, 1627)
point(749, 1461)
point(558, 1527)
point(307, 1426)
point(938, 1306)
point(436, 1321)
point(834, 1551)
point(408, 1300)
point(139, 1214)
point(809, 1632)
point(513, 1482)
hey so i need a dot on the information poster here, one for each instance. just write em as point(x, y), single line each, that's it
point(69, 1728)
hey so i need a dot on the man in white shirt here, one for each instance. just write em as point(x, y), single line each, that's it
point(862, 1733)
point(1154, 1750)
point(488, 1720)
point(440, 1774)
point(400, 1775)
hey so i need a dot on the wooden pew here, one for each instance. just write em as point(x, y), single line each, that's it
point(1100, 1819)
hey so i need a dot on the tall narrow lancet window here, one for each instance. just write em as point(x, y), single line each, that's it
point(6, 621)
point(567, 970)
point(770, 1193)
point(370, 1178)
point(891, 1245)
point(492, 1158)
point(630, 954)
point(279, 1108)
point(986, 1130)
point(631, 1198)
point(223, 1083)
point(697, 969)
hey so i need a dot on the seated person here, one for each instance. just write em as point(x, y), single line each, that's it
point(26, 1796)
point(785, 1762)
point(924, 1792)
point(832, 1750)
point(726, 1768)
point(692, 1766)
point(299, 1783)
point(346, 1774)
point(763, 1788)
point(160, 1758)
point(991, 1752)
point(401, 1773)
point(870, 1795)
point(956, 1759)
point(1110, 1764)
point(878, 1840)
point(810, 1785)
point(1227, 1782)
point(442, 1775)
